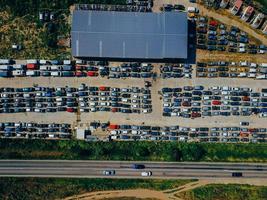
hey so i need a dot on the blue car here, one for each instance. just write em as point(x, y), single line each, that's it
point(263, 104)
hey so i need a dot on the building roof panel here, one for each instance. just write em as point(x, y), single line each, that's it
point(129, 34)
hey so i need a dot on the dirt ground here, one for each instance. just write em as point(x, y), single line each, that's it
point(169, 194)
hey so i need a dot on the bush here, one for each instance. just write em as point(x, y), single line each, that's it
point(137, 150)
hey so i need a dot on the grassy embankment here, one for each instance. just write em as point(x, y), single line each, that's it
point(229, 192)
point(146, 151)
point(54, 188)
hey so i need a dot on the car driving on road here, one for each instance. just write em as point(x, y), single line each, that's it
point(149, 173)
point(109, 172)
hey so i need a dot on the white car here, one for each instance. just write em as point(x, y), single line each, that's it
point(149, 173)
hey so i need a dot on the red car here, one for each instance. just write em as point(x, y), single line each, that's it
point(32, 66)
point(103, 88)
point(216, 102)
point(114, 110)
point(71, 110)
point(245, 98)
point(195, 114)
point(92, 73)
point(113, 126)
point(213, 23)
point(186, 103)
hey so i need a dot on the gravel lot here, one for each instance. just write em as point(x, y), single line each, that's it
point(155, 118)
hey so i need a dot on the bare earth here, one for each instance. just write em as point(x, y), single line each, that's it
point(162, 195)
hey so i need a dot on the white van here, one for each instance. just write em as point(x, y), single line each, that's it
point(192, 10)
point(55, 74)
point(252, 70)
point(251, 75)
point(45, 68)
point(264, 65)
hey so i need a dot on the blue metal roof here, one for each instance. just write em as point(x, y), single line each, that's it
point(109, 34)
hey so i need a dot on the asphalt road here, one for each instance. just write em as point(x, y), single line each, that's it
point(60, 168)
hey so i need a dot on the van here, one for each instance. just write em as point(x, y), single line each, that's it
point(244, 64)
point(192, 10)
point(32, 61)
point(264, 65)
point(32, 73)
point(55, 67)
point(252, 70)
point(56, 74)
point(242, 75)
point(45, 68)
point(263, 76)
point(251, 75)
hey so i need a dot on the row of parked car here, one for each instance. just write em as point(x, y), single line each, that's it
point(178, 133)
point(35, 130)
point(214, 36)
point(176, 71)
point(67, 68)
point(70, 99)
point(240, 69)
point(195, 101)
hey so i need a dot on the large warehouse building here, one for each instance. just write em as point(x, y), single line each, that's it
point(129, 35)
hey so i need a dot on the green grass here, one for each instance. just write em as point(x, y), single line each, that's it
point(138, 150)
point(226, 192)
point(263, 5)
point(54, 188)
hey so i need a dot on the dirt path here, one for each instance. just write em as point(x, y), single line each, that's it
point(232, 22)
point(170, 194)
point(138, 193)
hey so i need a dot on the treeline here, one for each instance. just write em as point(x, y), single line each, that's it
point(32, 7)
point(138, 150)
